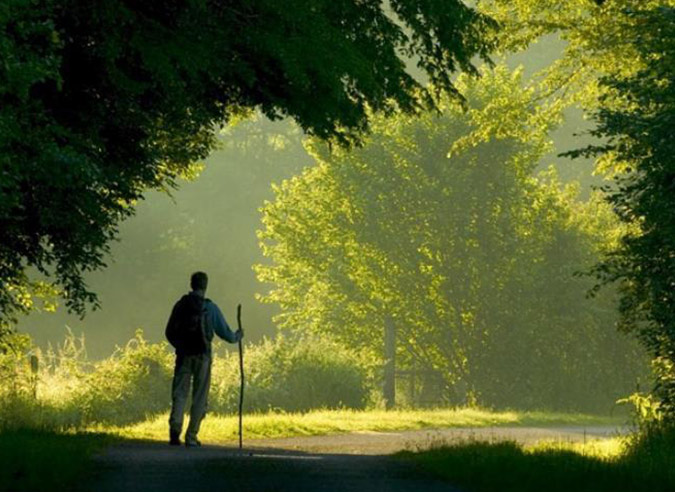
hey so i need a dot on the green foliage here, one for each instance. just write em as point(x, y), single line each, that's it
point(101, 101)
point(596, 42)
point(71, 391)
point(17, 383)
point(294, 375)
point(134, 383)
point(618, 62)
point(643, 462)
point(651, 450)
point(439, 222)
point(645, 407)
point(639, 137)
point(646, 466)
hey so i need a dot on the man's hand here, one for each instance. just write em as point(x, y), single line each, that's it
point(240, 334)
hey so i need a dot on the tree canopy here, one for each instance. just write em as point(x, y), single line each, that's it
point(103, 100)
point(639, 136)
point(440, 222)
point(618, 63)
point(594, 42)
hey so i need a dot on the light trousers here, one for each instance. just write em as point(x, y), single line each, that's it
point(192, 370)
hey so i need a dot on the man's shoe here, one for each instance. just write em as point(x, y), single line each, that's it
point(192, 443)
point(174, 439)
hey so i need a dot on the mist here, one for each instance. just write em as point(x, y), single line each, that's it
point(211, 224)
point(207, 224)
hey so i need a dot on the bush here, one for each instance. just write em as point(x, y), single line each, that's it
point(652, 451)
point(134, 383)
point(131, 385)
point(70, 391)
point(292, 375)
point(18, 384)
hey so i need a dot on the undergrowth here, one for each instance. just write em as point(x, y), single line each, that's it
point(66, 390)
point(642, 462)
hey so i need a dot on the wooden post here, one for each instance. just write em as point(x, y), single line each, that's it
point(34, 370)
point(413, 384)
point(389, 389)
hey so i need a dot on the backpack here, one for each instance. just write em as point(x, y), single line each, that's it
point(186, 327)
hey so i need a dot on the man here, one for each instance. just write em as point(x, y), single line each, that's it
point(193, 321)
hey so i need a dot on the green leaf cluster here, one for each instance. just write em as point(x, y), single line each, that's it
point(101, 101)
point(640, 136)
point(440, 222)
point(594, 36)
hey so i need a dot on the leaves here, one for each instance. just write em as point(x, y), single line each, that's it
point(101, 101)
point(640, 137)
point(440, 222)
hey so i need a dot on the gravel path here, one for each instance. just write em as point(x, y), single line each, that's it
point(351, 462)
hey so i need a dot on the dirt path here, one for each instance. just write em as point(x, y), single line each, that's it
point(382, 443)
point(352, 462)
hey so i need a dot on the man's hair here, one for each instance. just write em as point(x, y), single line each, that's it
point(199, 281)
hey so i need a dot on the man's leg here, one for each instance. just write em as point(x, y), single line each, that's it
point(200, 393)
point(180, 388)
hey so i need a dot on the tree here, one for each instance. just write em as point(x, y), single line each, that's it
point(595, 42)
point(101, 101)
point(639, 138)
point(618, 63)
point(439, 222)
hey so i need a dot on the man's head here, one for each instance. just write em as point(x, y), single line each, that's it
point(199, 281)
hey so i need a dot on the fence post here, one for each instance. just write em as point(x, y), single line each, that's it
point(34, 369)
point(389, 389)
point(413, 384)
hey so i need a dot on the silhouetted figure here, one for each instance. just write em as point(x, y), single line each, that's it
point(193, 321)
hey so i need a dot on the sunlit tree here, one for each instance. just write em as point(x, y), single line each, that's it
point(618, 63)
point(596, 42)
point(441, 223)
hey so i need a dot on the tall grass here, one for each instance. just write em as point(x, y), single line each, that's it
point(70, 391)
point(134, 383)
point(642, 462)
point(224, 428)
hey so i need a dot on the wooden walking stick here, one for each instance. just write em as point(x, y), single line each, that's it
point(241, 373)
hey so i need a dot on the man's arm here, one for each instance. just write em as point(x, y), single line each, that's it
point(220, 326)
point(171, 331)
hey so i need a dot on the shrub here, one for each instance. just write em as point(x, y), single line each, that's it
point(17, 384)
point(134, 383)
point(131, 385)
point(71, 391)
point(293, 374)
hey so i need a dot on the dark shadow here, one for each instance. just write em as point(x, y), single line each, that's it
point(507, 467)
point(146, 465)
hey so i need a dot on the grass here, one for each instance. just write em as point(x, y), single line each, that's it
point(612, 465)
point(34, 460)
point(216, 428)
